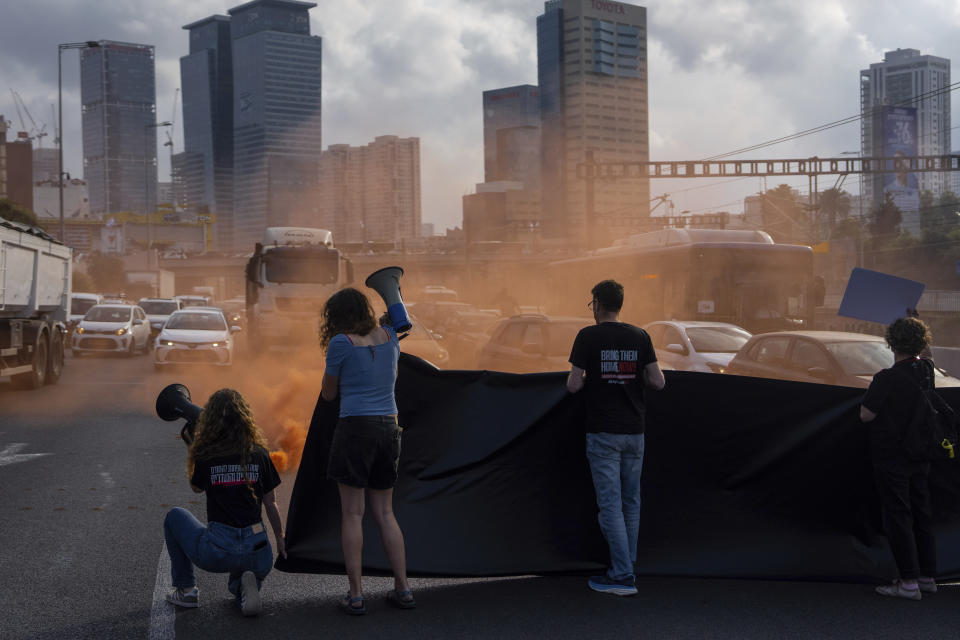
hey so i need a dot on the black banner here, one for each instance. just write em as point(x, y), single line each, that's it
point(743, 477)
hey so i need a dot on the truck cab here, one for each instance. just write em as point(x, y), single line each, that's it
point(288, 279)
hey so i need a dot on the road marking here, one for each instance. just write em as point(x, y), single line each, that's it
point(108, 481)
point(163, 616)
point(11, 454)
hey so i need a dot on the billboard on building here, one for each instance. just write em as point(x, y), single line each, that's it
point(899, 135)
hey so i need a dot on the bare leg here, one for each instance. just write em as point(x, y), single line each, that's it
point(351, 535)
point(381, 502)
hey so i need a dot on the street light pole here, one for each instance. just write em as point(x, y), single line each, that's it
point(90, 44)
point(146, 181)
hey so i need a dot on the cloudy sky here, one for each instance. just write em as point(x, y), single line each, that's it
point(723, 75)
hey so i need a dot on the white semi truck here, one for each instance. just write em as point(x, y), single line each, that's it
point(288, 279)
point(34, 304)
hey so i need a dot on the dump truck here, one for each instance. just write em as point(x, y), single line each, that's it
point(35, 277)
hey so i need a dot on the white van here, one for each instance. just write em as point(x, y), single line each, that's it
point(80, 303)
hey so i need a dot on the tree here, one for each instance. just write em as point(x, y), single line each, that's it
point(834, 207)
point(886, 219)
point(10, 210)
point(106, 270)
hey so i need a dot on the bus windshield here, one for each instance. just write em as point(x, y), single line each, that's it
point(302, 267)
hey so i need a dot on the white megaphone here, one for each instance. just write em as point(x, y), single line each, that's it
point(386, 282)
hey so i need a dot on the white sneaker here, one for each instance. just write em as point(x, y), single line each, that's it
point(250, 603)
point(188, 598)
point(897, 590)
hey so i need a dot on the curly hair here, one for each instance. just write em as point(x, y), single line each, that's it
point(346, 311)
point(909, 336)
point(226, 427)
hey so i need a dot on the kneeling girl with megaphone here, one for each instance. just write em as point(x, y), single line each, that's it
point(228, 461)
point(361, 367)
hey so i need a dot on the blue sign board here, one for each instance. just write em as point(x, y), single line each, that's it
point(879, 297)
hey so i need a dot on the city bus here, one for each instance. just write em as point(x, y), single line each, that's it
point(722, 275)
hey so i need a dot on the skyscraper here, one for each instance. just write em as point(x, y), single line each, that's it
point(889, 93)
point(371, 193)
point(511, 135)
point(592, 73)
point(203, 172)
point(118, 97)
point(276, 117)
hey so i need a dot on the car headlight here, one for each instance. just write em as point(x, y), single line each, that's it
point(79, 329)
point(716, 368)
point(121, 331)
point(214, 344)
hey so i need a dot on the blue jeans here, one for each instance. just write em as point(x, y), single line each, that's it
point(217, 548)
point(616, 461)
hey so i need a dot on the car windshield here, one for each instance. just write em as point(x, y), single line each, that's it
point(108, 314)
point(717, 339)
point(861, 358)
point(158, 307)
point(79, 306)
point(562, 335)
point(197, 322)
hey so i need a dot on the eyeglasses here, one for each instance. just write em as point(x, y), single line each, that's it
point(591, 304)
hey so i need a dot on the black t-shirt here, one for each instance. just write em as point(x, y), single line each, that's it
point(893, 396)
point(613, 354)
point(229, 499)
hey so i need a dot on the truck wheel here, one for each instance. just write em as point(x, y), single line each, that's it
point(34, 378)
point(55, 365)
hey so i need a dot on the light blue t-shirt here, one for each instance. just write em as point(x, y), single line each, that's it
point(366, 375)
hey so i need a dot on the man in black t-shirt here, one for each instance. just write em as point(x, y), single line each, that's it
point(612, 362)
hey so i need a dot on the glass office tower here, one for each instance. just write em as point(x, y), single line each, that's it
point(203, 172)
point(276, 118)
point(511, 135)
point(592, 73)
point(118, 97)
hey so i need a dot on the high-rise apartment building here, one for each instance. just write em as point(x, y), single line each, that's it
point(592, 74)
point(203, 172)
point(890, 91)
point(371, 193)
point(276, 117)
point(118, 97)
point(511, 135)
point(46, 163)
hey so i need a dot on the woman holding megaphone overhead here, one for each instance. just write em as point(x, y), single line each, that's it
point(361, 368)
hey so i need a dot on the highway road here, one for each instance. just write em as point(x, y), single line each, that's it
point(88, 472)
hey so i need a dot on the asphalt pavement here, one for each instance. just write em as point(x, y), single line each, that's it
point(88, 472)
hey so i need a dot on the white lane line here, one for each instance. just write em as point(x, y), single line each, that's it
point(108, 481)
point(11, 454)
point(163, 616)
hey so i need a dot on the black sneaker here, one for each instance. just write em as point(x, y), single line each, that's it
point(605, 584)
point(188, 598)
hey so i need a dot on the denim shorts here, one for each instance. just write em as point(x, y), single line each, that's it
point(365, 452)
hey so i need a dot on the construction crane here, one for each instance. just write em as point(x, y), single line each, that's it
point(34, 133)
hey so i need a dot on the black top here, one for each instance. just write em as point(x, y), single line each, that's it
point(893, 396)
point(613, 354)
point(229, 499)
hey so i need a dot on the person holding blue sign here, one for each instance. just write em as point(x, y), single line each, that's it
point(888, 407)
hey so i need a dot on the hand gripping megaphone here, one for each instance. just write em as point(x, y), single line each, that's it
point(386, 282)
point(174, 403)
